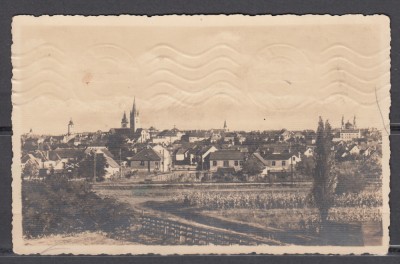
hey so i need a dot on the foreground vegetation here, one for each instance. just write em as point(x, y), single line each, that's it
point(214, 200)
point(59, 206)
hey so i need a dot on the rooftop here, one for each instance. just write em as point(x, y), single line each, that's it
point(226, 155)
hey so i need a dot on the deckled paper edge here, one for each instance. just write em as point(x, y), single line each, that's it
point(17, 237)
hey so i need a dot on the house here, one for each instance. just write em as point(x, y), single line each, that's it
point(146, 160)
point(166, 159)
point(354, 150)
point(167, 136)
point(281, 162)
point(29, 159)
point(112, 167)
point(203, 157)
point(195, 136)
point(229, 138)
point(141, 135)
point(226, 159)
point(298, 135)
point(181, 154)
point(309, 152)
point(284, 135)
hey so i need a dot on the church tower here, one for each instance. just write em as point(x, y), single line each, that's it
point(70, 127)
point(134, 117)
point(225, 126)
point(124, 121)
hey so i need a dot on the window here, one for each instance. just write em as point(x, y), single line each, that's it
point(283, 162)
point(273, 163)
point(156, 164)
point(226, 163)
point(236, 163)
point(294, 158)
point(241, 163)
point(142, 163)
point(214, 163)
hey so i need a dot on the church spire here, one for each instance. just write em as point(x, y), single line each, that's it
point(225, 126)
point(134, 105)
point(124, 121)
point(134, 118)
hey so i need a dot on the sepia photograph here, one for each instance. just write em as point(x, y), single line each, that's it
point(201, 134)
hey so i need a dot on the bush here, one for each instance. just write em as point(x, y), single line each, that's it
point(58, 206)
point(350, 178)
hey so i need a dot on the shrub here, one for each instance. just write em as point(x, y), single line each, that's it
point(58, 206)
point(350, 178)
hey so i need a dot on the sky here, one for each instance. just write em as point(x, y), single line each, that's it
point(195, 72)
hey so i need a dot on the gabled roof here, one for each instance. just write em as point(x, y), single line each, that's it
point(260, 158)
point(146, 155)
point(282, 156)
point(111, 162)
point(168, 133)
point(64, 153)
point(226, 155)
point(181, 151)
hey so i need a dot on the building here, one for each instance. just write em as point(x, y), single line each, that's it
point(166, 159)
point(134, 117)
point(124, 121)
point(203, 157)
point(226, 159)
point(225, 127)
point(146, 160)
point(167, 137)
point(70, 132)
point(309, 152)
point(195, 136)
point(141, 135)
point(349, 131)
point(281, 162)
point(70, 127)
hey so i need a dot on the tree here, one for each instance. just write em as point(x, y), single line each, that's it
point(30, 170)
point(86, 167)
point(306, 166)
point(351, 179)
point(252, 167)
point(325, 179)
point(116, 144)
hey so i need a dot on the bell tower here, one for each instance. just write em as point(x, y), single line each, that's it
point(124, 121)
point(70, 127)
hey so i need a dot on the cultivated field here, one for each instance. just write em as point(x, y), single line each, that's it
point(258, 213)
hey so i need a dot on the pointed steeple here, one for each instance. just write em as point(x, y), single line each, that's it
point(134, 117)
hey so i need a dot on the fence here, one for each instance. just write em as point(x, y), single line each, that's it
point(179, 233)
point(182, 176)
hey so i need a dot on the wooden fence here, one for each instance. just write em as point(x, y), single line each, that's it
point(179, 233)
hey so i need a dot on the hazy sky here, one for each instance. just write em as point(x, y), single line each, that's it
point(195, 72)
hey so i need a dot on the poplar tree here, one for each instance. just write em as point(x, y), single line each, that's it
point(325, 178)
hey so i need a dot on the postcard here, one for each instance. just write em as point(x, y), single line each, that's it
point(201, 134)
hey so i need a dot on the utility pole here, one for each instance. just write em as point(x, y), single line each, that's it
point(120, 163)
point(94, 167)
point(291, 169)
